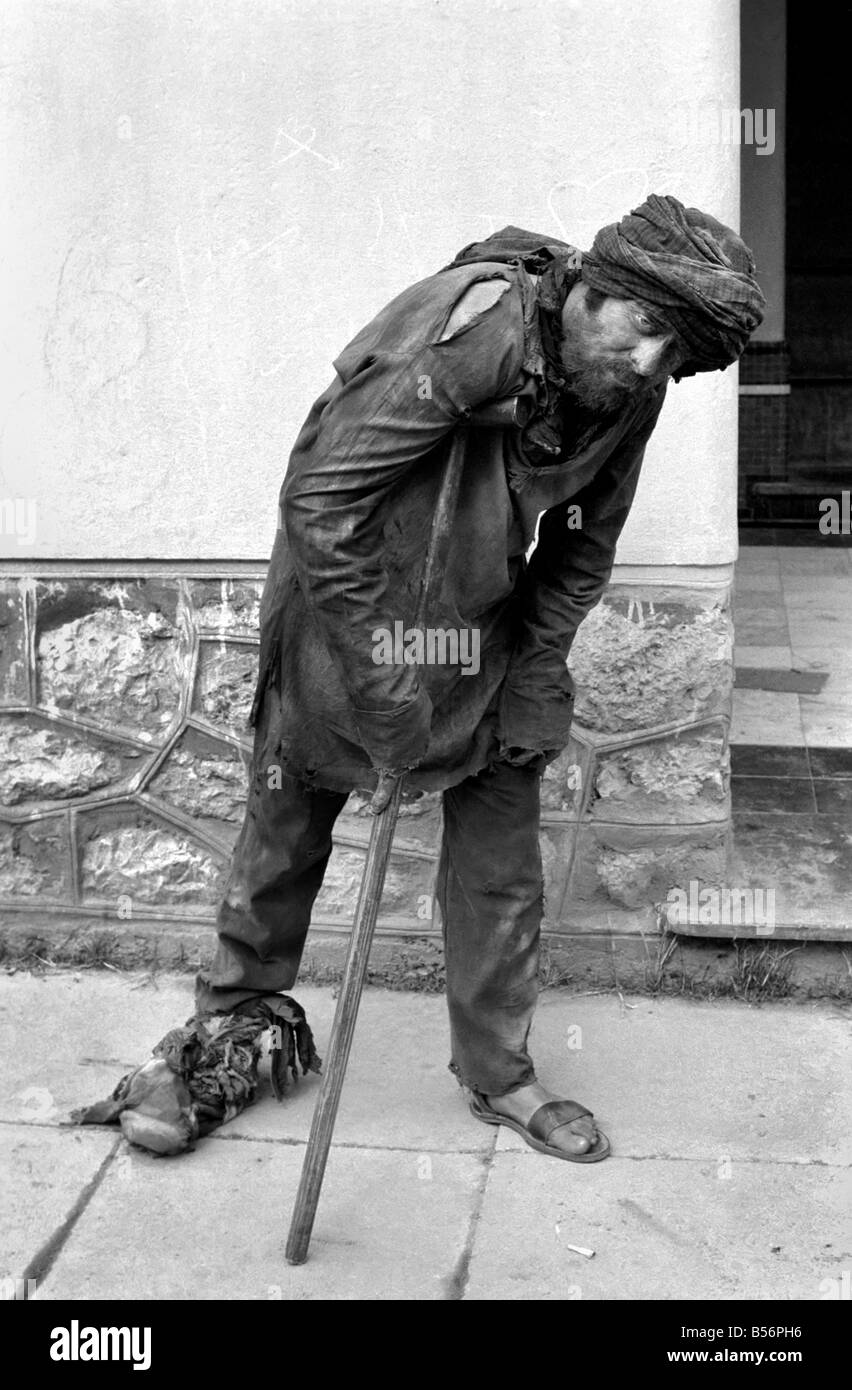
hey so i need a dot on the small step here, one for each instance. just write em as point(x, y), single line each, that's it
point(819, 488)
point(796, 500)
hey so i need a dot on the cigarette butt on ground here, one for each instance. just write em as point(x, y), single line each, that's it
point(581, 1250)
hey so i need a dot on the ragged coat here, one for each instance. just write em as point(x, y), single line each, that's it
point(354, 521)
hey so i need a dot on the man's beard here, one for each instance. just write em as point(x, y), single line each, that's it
point(599, 385)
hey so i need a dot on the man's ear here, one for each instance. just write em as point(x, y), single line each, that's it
point(593, 299)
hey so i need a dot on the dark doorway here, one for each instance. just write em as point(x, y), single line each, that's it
point(819, 244)
point(796, 374)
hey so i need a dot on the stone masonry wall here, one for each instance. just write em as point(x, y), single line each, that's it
point(124, 748)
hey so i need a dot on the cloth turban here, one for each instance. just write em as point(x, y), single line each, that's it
point(699, 273)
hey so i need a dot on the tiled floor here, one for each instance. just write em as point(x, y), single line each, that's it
point(793, 613)
point(791, 735)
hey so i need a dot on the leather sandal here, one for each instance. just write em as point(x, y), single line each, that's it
point(541, 1125)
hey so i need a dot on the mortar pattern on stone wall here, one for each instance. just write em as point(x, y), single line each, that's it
point(124, 750)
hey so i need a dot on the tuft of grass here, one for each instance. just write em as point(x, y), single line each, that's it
point(761, 972)
point(658, 979)
point(97, 951)
point(552, 975)
point(755, 972)
point(667, 975)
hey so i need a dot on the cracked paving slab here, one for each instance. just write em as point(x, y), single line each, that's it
point(44, 1173)
point(213, 1224)
point(730, 1173)
point(660, 1230)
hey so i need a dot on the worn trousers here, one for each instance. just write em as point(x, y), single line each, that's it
point(489, 890)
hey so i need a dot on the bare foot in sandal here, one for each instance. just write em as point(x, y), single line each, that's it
point(577, 1136)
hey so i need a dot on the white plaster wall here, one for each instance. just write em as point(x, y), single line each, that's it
point(206, 198)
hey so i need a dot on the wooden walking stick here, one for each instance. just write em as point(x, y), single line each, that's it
point(497, 414)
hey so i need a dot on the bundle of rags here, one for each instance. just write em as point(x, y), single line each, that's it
point(202, 1075)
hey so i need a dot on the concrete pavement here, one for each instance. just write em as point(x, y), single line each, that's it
point(731, 1175)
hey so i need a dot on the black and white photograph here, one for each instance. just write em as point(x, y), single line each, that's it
point(425, 671)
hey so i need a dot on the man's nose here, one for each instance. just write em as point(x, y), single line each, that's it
point(647, 356)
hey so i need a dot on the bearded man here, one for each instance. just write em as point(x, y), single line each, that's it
point(589, 341)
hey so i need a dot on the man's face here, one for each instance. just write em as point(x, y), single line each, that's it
point(613, 347)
